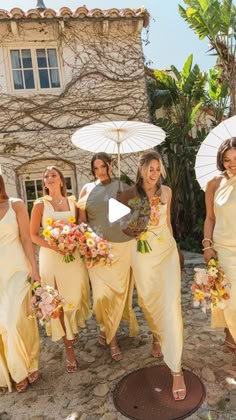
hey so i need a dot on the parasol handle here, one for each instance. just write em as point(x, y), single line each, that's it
point(118, 159)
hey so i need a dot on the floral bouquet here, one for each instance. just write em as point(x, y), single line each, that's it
point(93, 248)
point(144, 213)
point(210, 286)
point(62, 234)
point(46, 302)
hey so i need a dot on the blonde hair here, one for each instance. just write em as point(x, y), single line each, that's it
point(144, 163)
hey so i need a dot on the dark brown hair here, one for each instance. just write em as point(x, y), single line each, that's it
point(144, 163)
point(63, 181)
point(224, 147)
point(105, 158)
point(3, 194)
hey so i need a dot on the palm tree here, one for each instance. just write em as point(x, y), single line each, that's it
point(216, 20)
point(180, 95)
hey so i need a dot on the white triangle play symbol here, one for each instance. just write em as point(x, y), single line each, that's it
point(116, 210)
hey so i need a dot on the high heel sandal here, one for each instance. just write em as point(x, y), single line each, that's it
point(33, 376)
point(75, 340)
point(71, 367)
point(116, 353)
point(22, 386)
point(102, 339)
point(156, 349)
point(231, 347)
point(178, 390)
point(230, 344)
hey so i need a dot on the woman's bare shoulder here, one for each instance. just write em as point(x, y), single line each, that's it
point(214, 183)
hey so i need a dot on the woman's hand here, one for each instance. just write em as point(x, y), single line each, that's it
point(208, 254)
point(35, 276)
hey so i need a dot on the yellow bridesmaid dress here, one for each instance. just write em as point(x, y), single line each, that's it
point(71, 279)
point(224, 243)
point(157, 279)
point(112, 285)
point(19, 338)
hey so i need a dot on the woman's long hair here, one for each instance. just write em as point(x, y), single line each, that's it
point(107, 160)
point(227, 144)
point(144, 163)
point(3, 194)
point(63, 181)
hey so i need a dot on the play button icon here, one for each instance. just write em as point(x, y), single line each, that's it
point(116, 210)
point(106, 215)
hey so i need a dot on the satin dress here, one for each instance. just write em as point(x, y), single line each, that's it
point(157, 279)
point(224, 243)
point(19, 338)
point(112, 286)
point(71, 279)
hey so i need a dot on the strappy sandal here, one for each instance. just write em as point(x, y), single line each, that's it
point(102, 339)
point(231, 346)
point(71, 367)
point(33, 376)
point(176, 392)
point(22, 386)
point(116, 353)
point(156, 349)
point(75, 340)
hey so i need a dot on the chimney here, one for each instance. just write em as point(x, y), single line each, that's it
point(40, 5)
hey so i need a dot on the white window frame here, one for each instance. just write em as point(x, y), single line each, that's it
point(35, 67)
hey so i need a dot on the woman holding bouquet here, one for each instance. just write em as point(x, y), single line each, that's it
point(155, 264)
point(111, 284)
point(19, 338)
point(71, 279)
point(220, 234)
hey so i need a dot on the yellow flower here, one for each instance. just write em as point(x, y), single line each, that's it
point(199, 295)
point(101, 245)
point(212, 262)
point(87, 235)
point(46, 233)
point(143, 236)
point(70, 306)
point(212, 271)
point(71, 219)
point(49, 221)
point(90, 243)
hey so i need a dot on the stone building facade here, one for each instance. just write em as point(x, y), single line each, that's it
point(60, 71)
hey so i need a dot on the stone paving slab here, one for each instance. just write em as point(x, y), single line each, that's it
point(87, 394)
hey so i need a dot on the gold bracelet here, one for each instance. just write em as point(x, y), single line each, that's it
point(206, 239)
point(207, 247)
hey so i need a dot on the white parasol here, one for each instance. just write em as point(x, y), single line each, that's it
point(117, 137)
point(205, 165)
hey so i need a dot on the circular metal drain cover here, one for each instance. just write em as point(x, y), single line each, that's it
point(146, 394)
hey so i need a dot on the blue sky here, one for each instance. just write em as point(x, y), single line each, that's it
point(171, 40)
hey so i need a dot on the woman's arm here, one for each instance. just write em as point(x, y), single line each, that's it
point(169, 197)
point(209, 220)
point(82, 217)
point(24, 234)
point(35, 221)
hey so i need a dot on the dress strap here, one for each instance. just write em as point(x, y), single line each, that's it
point(10, 203)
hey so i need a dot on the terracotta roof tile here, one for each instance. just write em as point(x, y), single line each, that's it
point(81, 12)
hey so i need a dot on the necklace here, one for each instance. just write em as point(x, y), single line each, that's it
point(59, 202)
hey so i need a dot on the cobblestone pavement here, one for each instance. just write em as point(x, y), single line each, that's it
point(87, 394)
